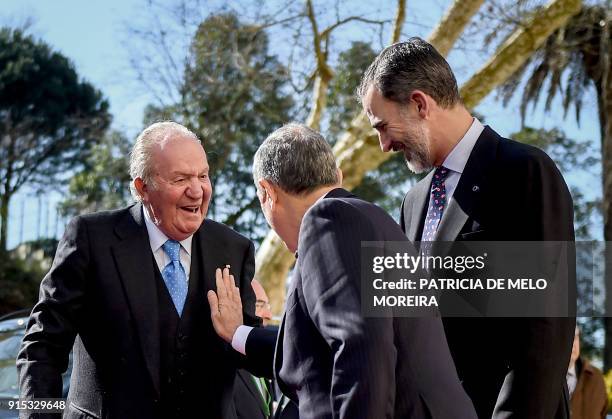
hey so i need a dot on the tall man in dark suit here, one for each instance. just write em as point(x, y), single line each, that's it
point(484, 187)
point(128, 288)
point(331, 359)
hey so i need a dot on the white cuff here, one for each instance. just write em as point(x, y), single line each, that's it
point(240, 337)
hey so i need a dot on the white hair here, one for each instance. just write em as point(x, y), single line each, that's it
point(140, 156)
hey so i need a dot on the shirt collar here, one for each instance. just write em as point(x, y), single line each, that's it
point(157, 238)
point(459, 155)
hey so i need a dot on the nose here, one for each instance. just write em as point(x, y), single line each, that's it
point(385, 142)
point(195, 189)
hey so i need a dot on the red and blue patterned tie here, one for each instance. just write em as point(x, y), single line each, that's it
point(437, 204)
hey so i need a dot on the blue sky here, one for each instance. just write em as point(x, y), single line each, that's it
point(93, 35)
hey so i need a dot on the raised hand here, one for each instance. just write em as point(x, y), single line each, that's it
point(225, 305)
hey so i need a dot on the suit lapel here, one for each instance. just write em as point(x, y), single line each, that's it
point(136, 269)
point(452, 222)
point(249, 382)
point(473, 185)
point(415, 209)
point(210, 251)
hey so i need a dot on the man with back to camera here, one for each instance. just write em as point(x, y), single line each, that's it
point(130, 286)
point(330, 359)
point(487, 188)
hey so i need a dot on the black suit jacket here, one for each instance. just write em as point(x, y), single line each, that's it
point(510, 367)
point(333, 361)
point(101, 289)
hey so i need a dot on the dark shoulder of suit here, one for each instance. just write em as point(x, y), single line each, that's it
point(412, 350)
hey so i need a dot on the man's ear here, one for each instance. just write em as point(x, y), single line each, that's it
point(340, 176)
point(270, 194)
point(421, 102)
point(141, 188)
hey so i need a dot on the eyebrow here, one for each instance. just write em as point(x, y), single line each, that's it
point(378, 124)
point(180, 173)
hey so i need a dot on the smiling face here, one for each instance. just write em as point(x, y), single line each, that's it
point(178, 196)
point(399, 128)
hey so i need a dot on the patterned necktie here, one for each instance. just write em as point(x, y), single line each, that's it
point(437, 203)
point(174, 275)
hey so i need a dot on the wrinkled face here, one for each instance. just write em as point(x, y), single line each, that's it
point(399, 129)
point(179, 195)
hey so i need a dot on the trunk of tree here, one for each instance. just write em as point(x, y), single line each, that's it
point(7, 191)
point(273, 261)
point(319, 99)
point(517, 49)
point(398, 22)
point(444, 36)
point(358, 152)
point(4, 207)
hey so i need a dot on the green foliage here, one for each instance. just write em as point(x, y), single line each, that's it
point(570, 60)
point(18, 286)
point(103, 183)
point(233, 95)
point(48, 118)
point(21, 271)
point(342, 103)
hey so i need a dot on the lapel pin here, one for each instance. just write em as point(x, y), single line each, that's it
point(475, 188)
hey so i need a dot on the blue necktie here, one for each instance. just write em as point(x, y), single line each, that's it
point(174, 275)
point(437, 203)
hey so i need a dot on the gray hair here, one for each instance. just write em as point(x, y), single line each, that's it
point(296, 158)
point(404, 67)
point(140, 156)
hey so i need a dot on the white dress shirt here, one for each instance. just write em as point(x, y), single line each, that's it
point(157, 238)
point(572, 379)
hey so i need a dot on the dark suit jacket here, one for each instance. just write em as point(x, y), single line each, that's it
point(101, 289)
point(247, 397)
point(510, 367)
point(335, 362)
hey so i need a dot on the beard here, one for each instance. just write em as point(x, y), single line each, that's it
point(416, 150)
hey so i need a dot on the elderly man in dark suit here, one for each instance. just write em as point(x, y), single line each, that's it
point(127, 293)
point(330, 359)
point(484, 187)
